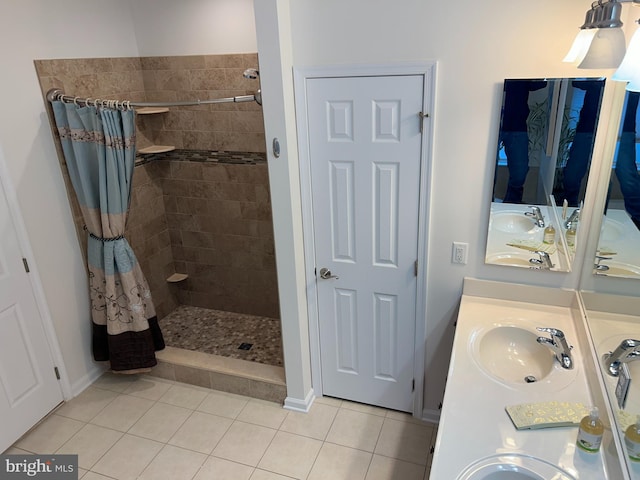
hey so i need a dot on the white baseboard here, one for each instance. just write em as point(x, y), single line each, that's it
point(431, 416)
point(299, 405)
point(86, 380)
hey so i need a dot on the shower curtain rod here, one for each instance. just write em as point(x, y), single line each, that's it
point(58, 94)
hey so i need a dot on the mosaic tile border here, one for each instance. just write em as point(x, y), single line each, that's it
point(226, 157)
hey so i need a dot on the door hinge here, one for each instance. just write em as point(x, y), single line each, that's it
point(440, 406)
point(26, 265)
point(413, 385)
point(57, 372)
point(415, 268)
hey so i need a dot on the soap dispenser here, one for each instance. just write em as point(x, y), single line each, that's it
point(632, 440)
point(549, 236)
point(590, 432)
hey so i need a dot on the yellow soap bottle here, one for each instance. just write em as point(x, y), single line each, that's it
point(590, 432)
point(549, 236)
point(632, 440)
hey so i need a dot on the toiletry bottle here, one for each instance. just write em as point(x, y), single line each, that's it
point(571, 236)
point(549, 235)
point(590, 432)
point(632, 440)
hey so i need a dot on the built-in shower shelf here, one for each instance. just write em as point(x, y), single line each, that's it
point(177, 277)
point(151, 110)
point(156, 149)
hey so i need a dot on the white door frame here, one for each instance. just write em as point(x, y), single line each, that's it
point(34, 278)
point(301, 74)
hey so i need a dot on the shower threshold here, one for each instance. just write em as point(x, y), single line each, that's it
point(242, 377)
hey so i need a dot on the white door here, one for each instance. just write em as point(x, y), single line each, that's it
point(365, 155)
point(28, 385)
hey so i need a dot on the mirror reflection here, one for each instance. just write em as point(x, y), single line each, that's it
point(613, 324)
point(619, 245)
point(547, 132)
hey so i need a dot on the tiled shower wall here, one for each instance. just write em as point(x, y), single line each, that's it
point(155, 232)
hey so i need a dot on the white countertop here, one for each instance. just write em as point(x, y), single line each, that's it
point(474, 424)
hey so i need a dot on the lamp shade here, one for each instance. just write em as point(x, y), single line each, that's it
point(630, 66)
point(580, 46)
point(606, 50)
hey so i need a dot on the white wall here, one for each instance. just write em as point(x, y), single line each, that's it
point(194, 27)
point(40, 29)
point(477, 45)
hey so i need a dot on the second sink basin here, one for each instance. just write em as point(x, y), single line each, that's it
point(513, 355)
point(513, 222)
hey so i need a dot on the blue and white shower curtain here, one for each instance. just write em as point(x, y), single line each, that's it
point(99, 149)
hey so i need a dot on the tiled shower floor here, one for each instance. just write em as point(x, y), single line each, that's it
point(221, 333)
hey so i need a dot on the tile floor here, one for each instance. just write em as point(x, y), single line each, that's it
point(221, 333)
point(149, 428)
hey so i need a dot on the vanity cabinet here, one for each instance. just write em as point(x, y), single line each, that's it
point(496, 363)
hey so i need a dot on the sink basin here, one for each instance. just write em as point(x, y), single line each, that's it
point(513, 355)
point(511, 258)
point(611, 230)
point(513, 222)
point(619, 269)
point(514, 467)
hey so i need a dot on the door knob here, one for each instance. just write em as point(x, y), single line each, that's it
point(325, 273)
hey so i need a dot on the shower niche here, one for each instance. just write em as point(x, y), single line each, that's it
point(200, 209)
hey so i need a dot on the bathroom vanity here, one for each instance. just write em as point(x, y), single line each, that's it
point(498, 362)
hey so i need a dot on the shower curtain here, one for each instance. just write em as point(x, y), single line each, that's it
point(99, 149)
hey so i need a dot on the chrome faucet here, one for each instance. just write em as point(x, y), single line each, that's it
point(599, 267)
point(627, 351)
point(573, 218)
point(558, 345)
point(542, 263)
point(537, 214)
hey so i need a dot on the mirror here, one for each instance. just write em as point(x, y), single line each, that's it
point(545, 142)
point(618, 251)
point(613, 322)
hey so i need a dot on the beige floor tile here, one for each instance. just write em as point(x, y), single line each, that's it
point(334, 402)
point(127, 459)
point(90, 444)
point(361, 407)
point(406, 417)
point(291, 455)
point(87, 405)
point(94, 476)
point(122, 413)
point(149, 388)
point(385, 468)
point(336, 462)
point(50, 435)
point(115, 382)
point(404, 441)
point(81, 472)
point(173, 463)
point(261, 412)
point(315, 424)
point(15, 451)
point(201, 432)
point(355, 429)
point(183, 396)
point(160, 422)
point(244, 443)
point(223, 404)
point(220, 469)
point(264, 475)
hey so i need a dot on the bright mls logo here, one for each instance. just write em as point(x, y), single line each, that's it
point(45, 467)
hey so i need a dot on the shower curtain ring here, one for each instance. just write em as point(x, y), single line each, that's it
point(75, 101)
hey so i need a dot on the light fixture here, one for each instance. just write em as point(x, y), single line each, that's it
point(629, 70)
point(600, 42)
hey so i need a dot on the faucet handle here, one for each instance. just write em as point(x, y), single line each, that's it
point(553, 331)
